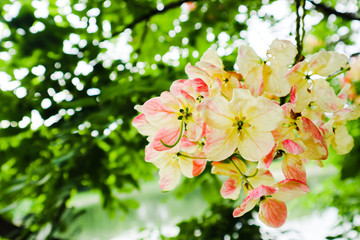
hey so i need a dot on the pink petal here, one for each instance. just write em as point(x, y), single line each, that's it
point(144, 126)
point(187, 145)
point(194, 130)
point(258, 192)
point(267, 160)
point(273, 212)
point(200, 87)
point(169, 177)
point(198, 166)
point(313, 140)
point(293, 95)
point(230, 189)
point(177, 86)
point(292, 147)
point(167, 136)
point(247, 205)
point(150, 153)
point(290, 189)
point(157, 113)
point(293, 168)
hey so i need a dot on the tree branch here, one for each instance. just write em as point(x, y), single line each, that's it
point(152, 13)
point(11, 231)
point(321, 7)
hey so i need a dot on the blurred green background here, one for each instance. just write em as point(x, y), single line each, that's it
point(71, 72)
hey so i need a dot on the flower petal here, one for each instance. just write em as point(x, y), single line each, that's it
point(324, 95)
point(167, 136)
point(186, 166)
point(290, 189)
point(274, 80)
point(292, 147)
point(198, 166)
point(261, 178)
point(293, 168)
point(158, 114)
point(170, 175)
point(220, 144)
point(265, 115)
point(216, 113)
point(228, 168)
point(143, 126)
point(211, 56)
point(196, 72)
point(325, 63)
point(313, 140)
point(246, 59)
point(273, 212)
point(231, 188)
point(342, 142)
point(247, 205)
point(282, 52)
point(267, 160)
point(255, 145)
point(254, 80)
point(261, 191)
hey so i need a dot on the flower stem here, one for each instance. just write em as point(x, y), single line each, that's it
point(343, 70)
point(186, 156)
point(242, 174)
point(178, 140)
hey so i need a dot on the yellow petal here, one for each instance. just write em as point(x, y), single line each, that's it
point(228, 168)
point(246, 59)
point(211, 56)
point(342, 142)
point(264, 114)
point(254, 145)
point(274, 80)
point(325, 63)
point(282, 52)
point(220, 144)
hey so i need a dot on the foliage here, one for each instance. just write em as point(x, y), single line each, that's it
point(208, 227)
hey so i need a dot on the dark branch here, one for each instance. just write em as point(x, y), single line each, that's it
point(300, 23)
point(11, 231)
point(321, 7)
point(355, 54)
point(152, 13)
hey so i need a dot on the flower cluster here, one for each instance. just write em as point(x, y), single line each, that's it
point(242, 120)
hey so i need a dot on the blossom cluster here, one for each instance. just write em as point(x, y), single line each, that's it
point(243, 120)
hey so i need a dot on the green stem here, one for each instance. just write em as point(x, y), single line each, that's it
point(178, 140)
point(337, 73)
point(253, 175)
point(186, 156)
point(242, 174)
point(300, 25)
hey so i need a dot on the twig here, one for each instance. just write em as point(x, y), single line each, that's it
point(242, 174)
point(321, 7)
point(300, 25)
